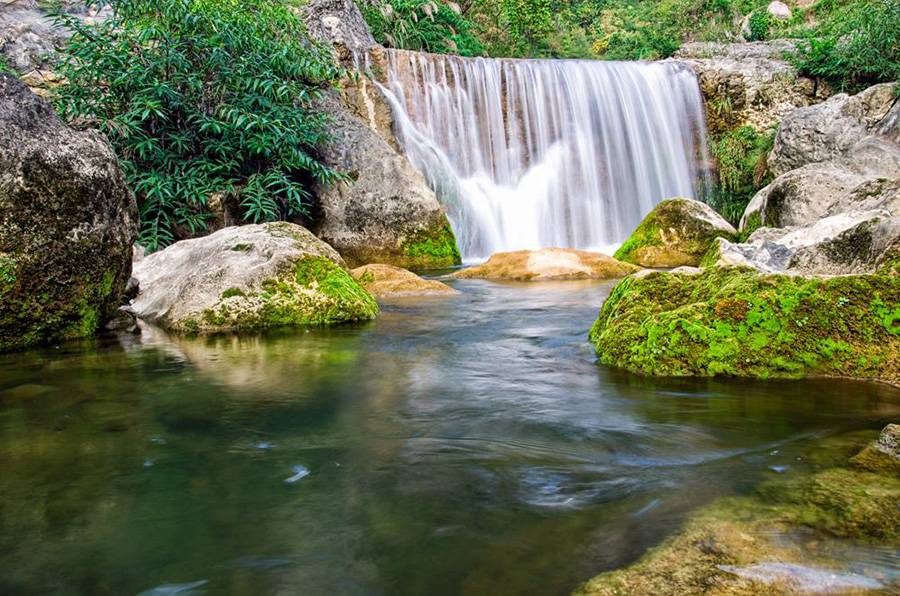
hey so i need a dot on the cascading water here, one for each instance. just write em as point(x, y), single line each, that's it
point(547, 153)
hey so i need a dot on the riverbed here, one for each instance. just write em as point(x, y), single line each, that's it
point(461, 445)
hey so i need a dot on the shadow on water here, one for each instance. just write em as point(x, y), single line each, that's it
point(466, 445)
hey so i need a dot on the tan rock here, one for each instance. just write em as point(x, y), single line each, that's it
point(548, 264)
point(387, 281)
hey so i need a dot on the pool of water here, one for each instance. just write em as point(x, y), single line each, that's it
point(465, 445)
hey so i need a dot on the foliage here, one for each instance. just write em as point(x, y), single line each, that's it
point(759, 23)
point(5, 67)
point(426, 25)
point(740, 156)
point(856, 45)
point(201, 97)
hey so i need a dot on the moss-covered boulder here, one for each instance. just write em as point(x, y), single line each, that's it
point(387, 281)
point(677, 232)
point(249, 278)
point(736, 321)
point(548, 264)
point(883, 454)
point(67, 224)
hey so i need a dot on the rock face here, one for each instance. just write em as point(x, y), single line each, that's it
point(248, 278)
point(852, 242)
point(749, 83)
point(548, 264)
point(838, 156)
point(387, 281)
point(677, 232)
point(67, 223)
point(831, 129)
point(385, 212)
point(737, 322)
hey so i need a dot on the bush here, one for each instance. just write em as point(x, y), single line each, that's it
point(742, 170)
point(856, 46)
point(424, 25)
point(760, 22)
point(200, 97)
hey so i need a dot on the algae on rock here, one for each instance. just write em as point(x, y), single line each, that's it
point(737, 322)
point(677, 232)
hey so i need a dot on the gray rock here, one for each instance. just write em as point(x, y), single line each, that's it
point(339, 23)
point(854, 242)
point(248, 277)
point(779, 10)
point(749, 83)
point(67, 224)
point(831, 129)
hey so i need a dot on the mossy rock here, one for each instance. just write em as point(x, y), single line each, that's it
point(67, 225)
point(677, 232)
point(249, 278)
point(435, 248)
point(737, 322)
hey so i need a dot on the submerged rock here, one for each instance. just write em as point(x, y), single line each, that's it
point(677, 232)
point(548, 264)
point(67, 223)
point(387, 281)
point(249, 277)
point(738, 322)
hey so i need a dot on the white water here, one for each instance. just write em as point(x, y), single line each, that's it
point(547, 153)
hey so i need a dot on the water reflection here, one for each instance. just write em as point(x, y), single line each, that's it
point(467, 446)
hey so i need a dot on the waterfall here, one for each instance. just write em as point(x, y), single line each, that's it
point(527, 154)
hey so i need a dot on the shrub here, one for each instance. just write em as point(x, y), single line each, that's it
point(425, 25)
point(760, 22)
point(855, 46)
point(742, 169)
point(200, 97)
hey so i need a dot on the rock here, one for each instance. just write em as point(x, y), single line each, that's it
point(779, 10)
point(339, 23)
point(883, 454)
point(737, 322)
point(67, 223)
point(749, 83)
point(248, 277)
point(385, 212)
point(548, 264)
point(677, 232)
point(387, 281)
point(831, 129)
point(852, 242)
point(867, 177)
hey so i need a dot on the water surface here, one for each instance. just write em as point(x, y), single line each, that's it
point(468, 445)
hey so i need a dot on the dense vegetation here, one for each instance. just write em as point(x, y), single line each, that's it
point(202, 99)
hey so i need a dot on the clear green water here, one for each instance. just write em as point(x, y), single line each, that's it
point(455, 446)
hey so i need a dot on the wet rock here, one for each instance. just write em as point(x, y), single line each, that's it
point(882, 455)
point(548, 264)
point(749, 83)
point(248, 277)
point(677, 232)
point(853, 242)
point(831, 129)
point(67, 223)
point(387, 281)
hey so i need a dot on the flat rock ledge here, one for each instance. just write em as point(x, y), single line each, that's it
point(387, 281)
point(249, 278)
point(548, 264)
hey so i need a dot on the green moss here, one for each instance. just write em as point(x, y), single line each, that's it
point(433, 249)
point(242, 247)
point(315, 291)
point(754, 222)
point(669, 237)
point(7, 273)
point(732, 321)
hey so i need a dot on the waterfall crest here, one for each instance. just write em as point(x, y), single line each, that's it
point(527, 154)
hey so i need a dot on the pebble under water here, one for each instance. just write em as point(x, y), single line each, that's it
point(463, 445)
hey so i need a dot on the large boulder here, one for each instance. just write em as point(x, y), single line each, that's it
point(384, 212)
point(734, 321)
point(677, 232)
point(852, 242)
point(248, 278)
point(67, 224)
point(748, 84)
point(831, 129)
point(548, 264)
point(387, 282)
